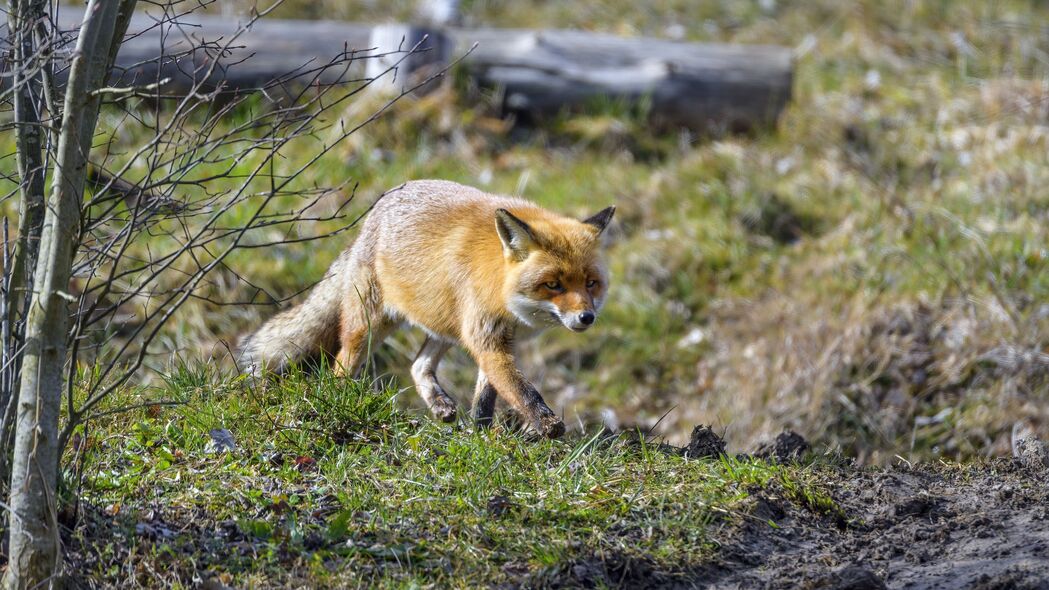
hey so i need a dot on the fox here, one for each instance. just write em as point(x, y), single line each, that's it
point(469, 268)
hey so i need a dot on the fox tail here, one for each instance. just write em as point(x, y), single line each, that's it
point(304, 332)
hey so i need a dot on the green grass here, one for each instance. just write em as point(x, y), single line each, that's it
point(872, 273)
point(909, 173)
point(331, 484)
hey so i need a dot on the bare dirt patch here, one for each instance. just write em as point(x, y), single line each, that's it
point(923, 527)
point(980, 526)
point(907, 526)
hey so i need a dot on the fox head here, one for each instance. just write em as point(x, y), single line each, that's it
point(557, 275)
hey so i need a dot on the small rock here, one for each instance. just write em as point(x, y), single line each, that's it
point(788, 446)
point(704, 442)
point(498, 505)
point(221, 441)
point(1031, 452)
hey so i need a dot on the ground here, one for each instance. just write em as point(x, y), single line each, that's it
point(943, 526)
point(871, 273)
point(319, 482)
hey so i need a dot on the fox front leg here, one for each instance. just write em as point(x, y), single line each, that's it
point(484, 401)
point(502, 374)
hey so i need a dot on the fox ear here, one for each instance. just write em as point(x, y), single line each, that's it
point(515, 234)
point(601, 219)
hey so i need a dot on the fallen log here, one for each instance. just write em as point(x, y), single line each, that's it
point(699, 86)
point(540, 73)
point(202, 52)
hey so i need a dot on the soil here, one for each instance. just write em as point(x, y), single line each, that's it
point(983, 526)
point(939, 526)
point(935, 526)
point(788, 446)
point(704, 442)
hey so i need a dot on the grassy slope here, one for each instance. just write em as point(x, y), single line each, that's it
point(872, 273)
point(331, 485)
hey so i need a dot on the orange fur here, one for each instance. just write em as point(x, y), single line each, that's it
point(468, 268)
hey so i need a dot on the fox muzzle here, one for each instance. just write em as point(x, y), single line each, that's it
point(579, 322)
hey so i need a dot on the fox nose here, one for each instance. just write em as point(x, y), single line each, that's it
point(587, 317)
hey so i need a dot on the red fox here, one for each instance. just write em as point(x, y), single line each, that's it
point(467, 267)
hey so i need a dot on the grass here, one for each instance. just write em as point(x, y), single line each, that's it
point(872, 273)
point(332, 485)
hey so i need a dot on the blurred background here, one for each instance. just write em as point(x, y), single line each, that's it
point(870, 270)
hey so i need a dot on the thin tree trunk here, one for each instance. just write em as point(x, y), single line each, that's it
point(34, 540)
point(28, 102)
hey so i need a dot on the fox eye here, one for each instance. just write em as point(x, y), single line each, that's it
point(553, 285)
point(591, 284)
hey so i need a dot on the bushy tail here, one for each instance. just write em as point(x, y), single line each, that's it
point(306, 331)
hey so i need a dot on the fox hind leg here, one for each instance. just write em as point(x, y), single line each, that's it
point(424, 373)
point(355, 341)
point(363, 323)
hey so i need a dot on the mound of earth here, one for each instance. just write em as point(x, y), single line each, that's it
point(982, 526)
point(939, 526)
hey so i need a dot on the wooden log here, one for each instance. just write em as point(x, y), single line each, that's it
point(541, 73)
point(270, 52)
point(698, 86)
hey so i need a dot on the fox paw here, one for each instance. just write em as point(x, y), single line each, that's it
point(549, 425)
point(443, 408)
